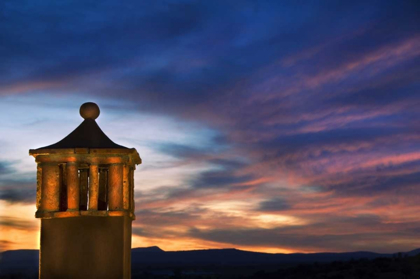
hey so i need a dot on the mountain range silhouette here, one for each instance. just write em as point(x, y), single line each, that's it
point(27, 260)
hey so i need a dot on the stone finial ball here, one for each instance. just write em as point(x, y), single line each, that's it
point(89, 110)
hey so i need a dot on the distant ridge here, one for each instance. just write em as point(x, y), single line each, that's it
point(26, 261)
point(413, 252)
point(152, 249)
point(238, 257)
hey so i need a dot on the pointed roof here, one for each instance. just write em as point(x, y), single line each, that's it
point(88, 134)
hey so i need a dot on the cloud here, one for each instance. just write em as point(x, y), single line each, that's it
point(14, 185)
point(181, 150)
point(5, 168)
point(69, 53)
point(369, 185)
point(18, 191)
point(308, 239)
point(4, 244)
point(16, 223)
point(213, 179)
point(305, 114)
point(273, 205)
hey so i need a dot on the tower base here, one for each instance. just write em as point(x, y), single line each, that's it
point(86, 247)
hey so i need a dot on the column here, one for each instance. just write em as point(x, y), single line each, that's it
point(38, 185)
point(132, 201)
point(126, 187)
point(73, 192)
point(93, 187)
point(115, 187)
point(50, 191)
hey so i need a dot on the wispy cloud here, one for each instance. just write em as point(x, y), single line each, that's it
point(262, 125)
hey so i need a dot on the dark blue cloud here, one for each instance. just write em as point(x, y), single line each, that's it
point(15, 191)
point(16, 188)
point(182, 151)
point(5, 168)
point(226, 43)
point(226, 173)
point(274, 205)
point(61, 40)
point(215, 179)
point(385, 89)
point(260, 73)
point(284, 146)
point(224, 177)
point(368, 185)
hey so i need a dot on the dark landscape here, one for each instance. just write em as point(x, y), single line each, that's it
point(152, 262)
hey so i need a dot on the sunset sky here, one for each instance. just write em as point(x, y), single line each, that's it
point(275, 126)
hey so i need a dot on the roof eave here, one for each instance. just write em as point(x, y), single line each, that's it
point(132, 152)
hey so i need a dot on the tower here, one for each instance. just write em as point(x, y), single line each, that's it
point(85, 200)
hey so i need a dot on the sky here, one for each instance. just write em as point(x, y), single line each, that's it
point(271, 126)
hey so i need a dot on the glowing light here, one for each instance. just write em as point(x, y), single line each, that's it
point(276, 220)
point(20, 229)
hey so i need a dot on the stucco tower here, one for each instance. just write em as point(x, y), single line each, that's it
point(85, 200)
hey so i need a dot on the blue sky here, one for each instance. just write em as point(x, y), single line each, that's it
point(278, 126)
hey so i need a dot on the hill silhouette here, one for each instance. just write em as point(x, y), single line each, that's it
point(154, 255)
point(25, 262)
